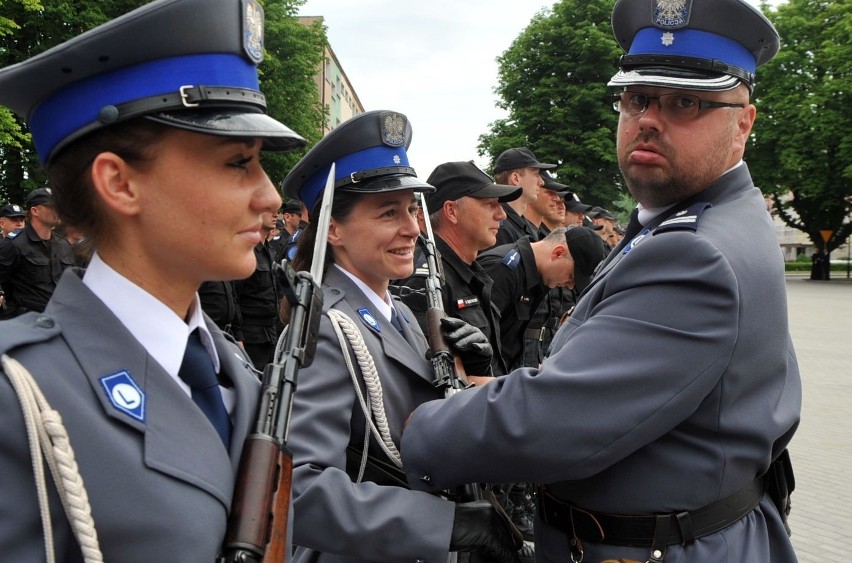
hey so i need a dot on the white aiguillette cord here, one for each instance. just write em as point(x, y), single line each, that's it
point(47, 436)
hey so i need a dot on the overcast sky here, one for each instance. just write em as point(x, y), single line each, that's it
point(434, 61)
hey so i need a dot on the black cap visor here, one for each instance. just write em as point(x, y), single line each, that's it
point(234, 123)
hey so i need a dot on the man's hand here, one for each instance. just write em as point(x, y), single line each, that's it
point(480, 527)
point(469, 343)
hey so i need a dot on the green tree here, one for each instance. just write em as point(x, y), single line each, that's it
point(552, 82)
point(29, 28)
point(294, 54)
point(801, 146)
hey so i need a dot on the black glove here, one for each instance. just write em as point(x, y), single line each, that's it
point(479, 527)
point(470, 344)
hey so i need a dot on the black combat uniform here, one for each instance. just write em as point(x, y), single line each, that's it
point(466, 295)
point(517, 293)
point(258, 297)
point(514, 227)
point(30, 269)
point(219, 301)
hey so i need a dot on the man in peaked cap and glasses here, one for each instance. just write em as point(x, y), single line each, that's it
point(146, 120)
point(659, 421)
point(465, 214)
point(519, 167)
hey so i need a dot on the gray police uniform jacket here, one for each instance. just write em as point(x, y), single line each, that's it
point(160, 482)
point(336, 519)
point(673, 385)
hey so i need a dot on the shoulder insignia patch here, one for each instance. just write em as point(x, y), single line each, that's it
point(684, 220)
point(368, 319)
point(125, 395)
point(512, 260)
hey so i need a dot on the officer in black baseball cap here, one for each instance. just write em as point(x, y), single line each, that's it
point(551, 184)
point(455, 180)
point(522, 157)
point(292, 206)
point(12, 210)
point(39, 196)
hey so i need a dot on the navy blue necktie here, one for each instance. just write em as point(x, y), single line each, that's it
point(197, 371)
point(394, 320)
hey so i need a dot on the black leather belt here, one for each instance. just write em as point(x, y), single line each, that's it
point(653, 530)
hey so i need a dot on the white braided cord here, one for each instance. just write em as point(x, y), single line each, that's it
point(47, 435)
point(344, 326)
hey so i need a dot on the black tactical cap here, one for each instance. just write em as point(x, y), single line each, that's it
point(513, 159)
point(190, 64)
point(369, 152)
point(573, 203)
point(454, 180)
point(12, 210)
point(292, 206)
point(587, 250)
point(39, 196)
point(551, 184)
point(691, 44)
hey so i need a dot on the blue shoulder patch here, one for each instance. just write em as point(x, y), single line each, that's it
point(13, 234)
point(368, 319)
point(125, 395)
point(685, 220)
point(512, 260)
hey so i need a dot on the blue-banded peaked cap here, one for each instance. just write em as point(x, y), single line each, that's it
point(708, 45)
point(190, 64)
point(369, 152)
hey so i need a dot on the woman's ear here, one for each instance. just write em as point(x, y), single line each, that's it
point(335, 236)
point(114, 182)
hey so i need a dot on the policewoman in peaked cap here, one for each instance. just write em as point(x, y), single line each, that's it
point(370, 370)
point(150, 128)
point(658, 423)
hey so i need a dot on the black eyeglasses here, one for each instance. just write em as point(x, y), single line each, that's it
point(678, 106)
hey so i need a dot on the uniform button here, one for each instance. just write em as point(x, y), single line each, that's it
point(426, 479)
point(45, 322)
point(419, 561)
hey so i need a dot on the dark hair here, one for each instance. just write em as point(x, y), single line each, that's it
point(75, 198)
point(341, 208)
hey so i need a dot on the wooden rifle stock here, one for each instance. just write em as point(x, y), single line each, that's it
point(257, 524)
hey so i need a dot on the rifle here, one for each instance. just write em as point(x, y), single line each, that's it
point(449, 371)
point(257, 525)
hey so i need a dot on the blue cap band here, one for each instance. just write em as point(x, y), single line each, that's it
point(375, 157)
point(79, 104)
point(693, 43)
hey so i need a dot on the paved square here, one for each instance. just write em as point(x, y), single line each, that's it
point(821, 325)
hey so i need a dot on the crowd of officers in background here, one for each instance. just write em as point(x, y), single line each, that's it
point(501, 243)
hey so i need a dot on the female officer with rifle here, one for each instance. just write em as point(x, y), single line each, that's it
point(370, 369)
point(163, 174)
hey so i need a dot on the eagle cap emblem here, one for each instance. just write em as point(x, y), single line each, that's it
point(393, 129)
point(253, 30)
point(672, 14)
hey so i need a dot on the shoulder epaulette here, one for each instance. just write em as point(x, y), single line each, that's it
point(512, 259)
point(684, 220)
